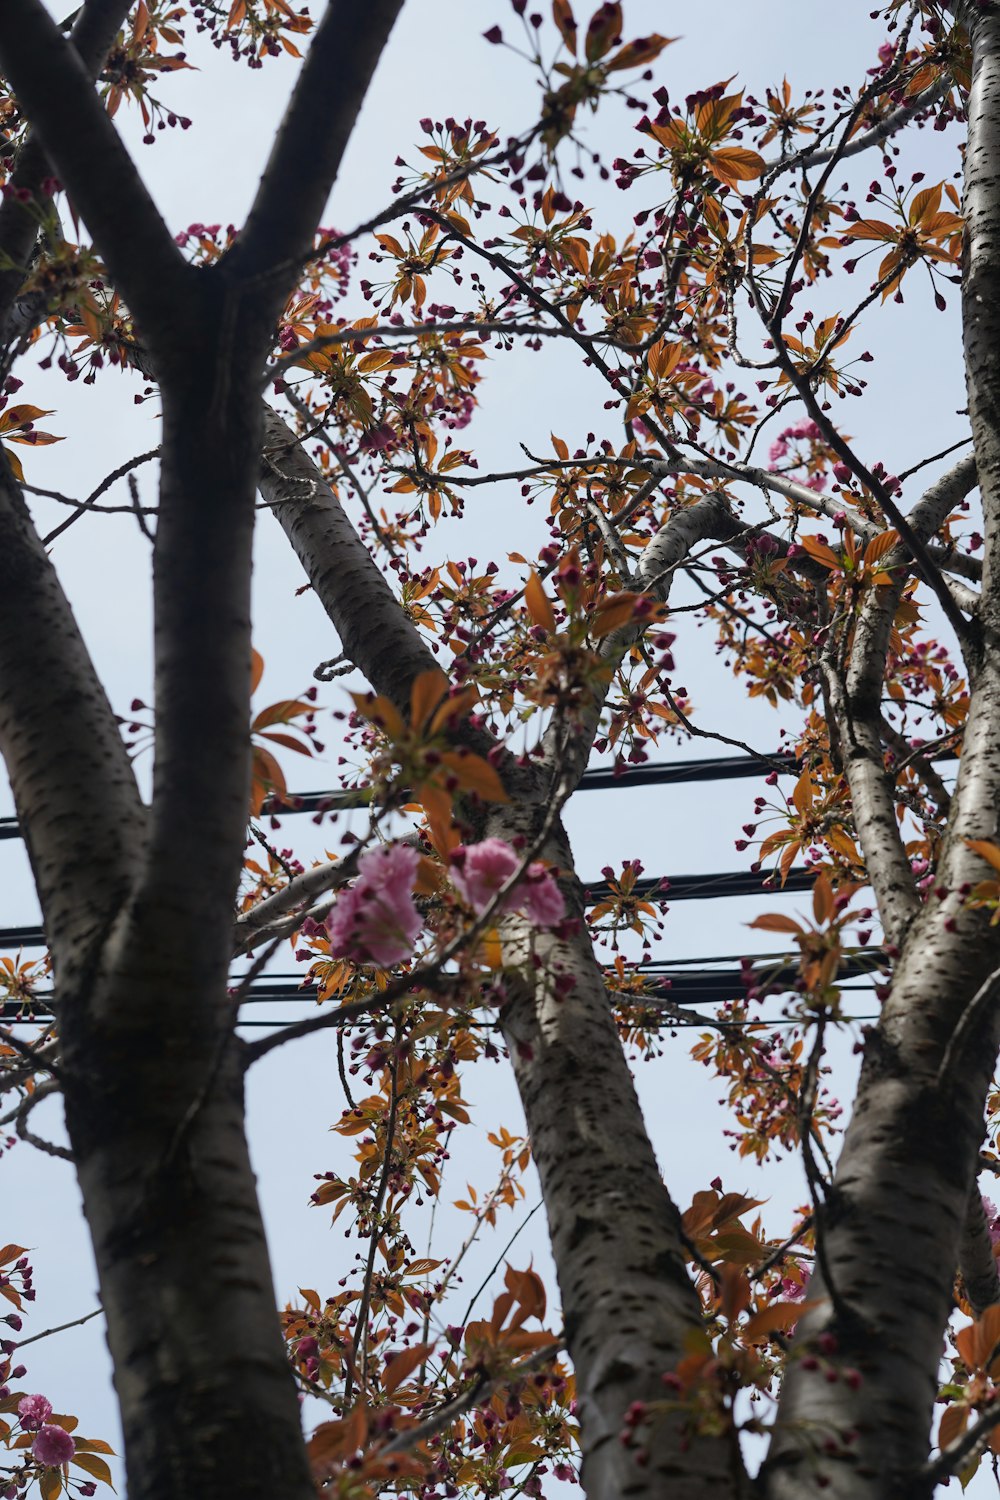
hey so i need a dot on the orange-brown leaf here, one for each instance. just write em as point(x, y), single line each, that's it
point(538, 604)
point(870, 229)
point(636, 54)
point(733, 164)
point(823, 900)
point(612, 613)
point(403, 1364)
point(953, 1424)
point(474, 774)
point(820, 552)
point(94, 1466)
point(50, 1484)
point(426, 694)
point(562, 14)
point(988, 851)
point(879, 546)
point(382, 712)
point(778, 1315)
point(772, 921)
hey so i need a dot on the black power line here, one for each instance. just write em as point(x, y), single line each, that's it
point(669, 773)
point(647, 888)
point(672, 982)
point(682, 985)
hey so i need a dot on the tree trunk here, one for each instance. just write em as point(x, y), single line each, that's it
point(860, 1418)
point(152, 1070)
point(207, 1399)
point(627, 1298)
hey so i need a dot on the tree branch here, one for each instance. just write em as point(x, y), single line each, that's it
point(975, 1257)
point(815, 156)
point(257, 922)
point(709, 517)
point(310, 144)
point(58, 733)
point(59, 1328)
point(96, 27)
point(54, 88)
point(374, 632)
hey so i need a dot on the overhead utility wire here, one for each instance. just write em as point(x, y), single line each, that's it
point(665, 983)
point(647, 888)
point(601, 778)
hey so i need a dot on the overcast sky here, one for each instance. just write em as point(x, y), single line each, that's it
point(438, 64)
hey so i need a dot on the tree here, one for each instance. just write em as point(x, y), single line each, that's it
point(460, 918)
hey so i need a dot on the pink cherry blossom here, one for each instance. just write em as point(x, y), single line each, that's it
point(377, 921)
point(53, 1446)
point(480, 870)
point(992, 1220)
point(540, 898)
point(33, 1411)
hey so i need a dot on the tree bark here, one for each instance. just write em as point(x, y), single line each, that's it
point(374, 632)
point(628, 1302)
point(976, 1259)
point(156, 1119)
point(139, 906)
point(58, 734)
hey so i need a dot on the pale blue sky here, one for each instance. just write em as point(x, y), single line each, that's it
point(437, 64)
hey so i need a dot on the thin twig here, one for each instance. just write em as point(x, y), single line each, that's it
point(89, 503)
point(44, 1091)
point(20, 1125)
point(59, 1328)
point(814, 156)
point(498, 1262)
point(933, 458)
point(484, 1385)
point(361, 1326)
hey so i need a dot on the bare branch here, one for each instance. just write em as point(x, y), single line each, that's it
point(82, 506)
point(975, 1257)
point(58, 733)
point(375, 633)
point(60, 1328)
point(49, 1148)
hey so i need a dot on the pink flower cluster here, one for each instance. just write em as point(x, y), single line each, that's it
point(33, 1411)
point(992, 1220)
point(478, 871)
point(377, 921)
point(53, 1446)
point(805, 429)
